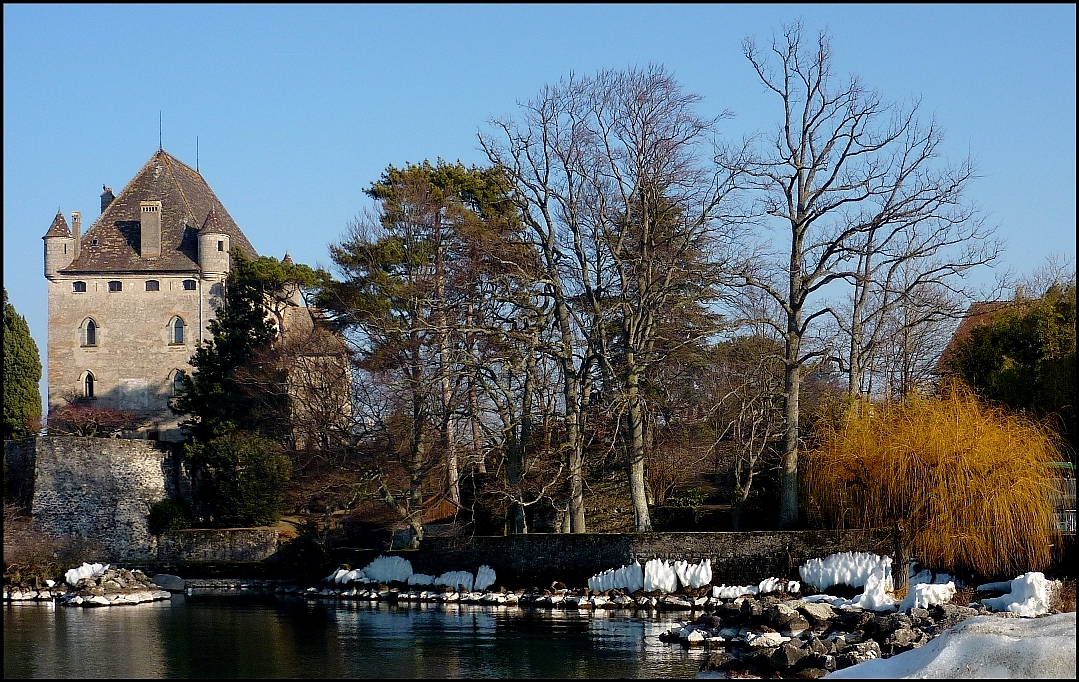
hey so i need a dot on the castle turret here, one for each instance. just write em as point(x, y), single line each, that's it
point(59, 246)
point(213, 246)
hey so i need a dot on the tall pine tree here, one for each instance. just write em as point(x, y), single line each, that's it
point(22, 372)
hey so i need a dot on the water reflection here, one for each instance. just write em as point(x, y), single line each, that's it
point(267, 636)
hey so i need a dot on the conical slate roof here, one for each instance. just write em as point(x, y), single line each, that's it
point(212, 224)
point(59, 227)
point(185, 199)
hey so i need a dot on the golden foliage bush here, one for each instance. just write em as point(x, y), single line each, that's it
point(970, 483)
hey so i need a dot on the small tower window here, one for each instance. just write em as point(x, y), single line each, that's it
point(189, 285)
point(177, 331)
point(88, 386)
point(89, 332)
point(93, 242)
point(220, 245)
point(78, 287)
point(152, 285)
point(116, 286)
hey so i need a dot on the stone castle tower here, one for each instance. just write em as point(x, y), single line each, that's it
point(129, 298)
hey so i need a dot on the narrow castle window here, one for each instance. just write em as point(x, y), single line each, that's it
point(220, 245)
point(89, 332)
point(116, 286)
point(152, 285)
point(88, 386)
point(177, 331)
point(189, 285)
point(79, 287)
point(177, 382)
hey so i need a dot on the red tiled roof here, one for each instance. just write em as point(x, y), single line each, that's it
point(186, 201)
point(979, 314)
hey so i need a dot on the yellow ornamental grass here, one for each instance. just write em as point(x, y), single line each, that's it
point(970, 483)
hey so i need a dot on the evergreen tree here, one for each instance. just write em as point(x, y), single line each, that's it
point(22, 372)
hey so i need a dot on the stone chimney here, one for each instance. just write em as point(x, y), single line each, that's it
point(150, 225)
point(76, 227)
point(106, 197)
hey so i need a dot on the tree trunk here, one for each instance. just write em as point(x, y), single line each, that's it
point(788, 466)
point(638, 494)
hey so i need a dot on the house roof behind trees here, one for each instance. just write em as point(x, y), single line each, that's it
point(979, 314)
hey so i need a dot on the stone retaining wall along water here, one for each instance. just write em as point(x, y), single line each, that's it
point(537, 559)
point(223, 544)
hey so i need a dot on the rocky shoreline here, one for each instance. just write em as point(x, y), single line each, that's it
point(113, 587)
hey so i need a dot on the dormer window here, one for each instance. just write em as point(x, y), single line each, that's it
point(152, 285)
point(93, 242)
point(115, 286)
point(78, 287)
point(189, 285)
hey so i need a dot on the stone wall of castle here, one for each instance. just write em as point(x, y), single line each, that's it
point(102, 489)
point(134, 357)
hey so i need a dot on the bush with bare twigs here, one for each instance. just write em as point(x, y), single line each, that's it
point(969, 482)
point(30, 553)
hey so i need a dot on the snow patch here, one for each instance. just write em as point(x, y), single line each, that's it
point(1029, 596)
point(658, 575)
point(388, 569)
point(845, 568)
point(778, 585)
point(485, 577)
point(421, 579)
point(74, 575)
point(630, 578)
point(875, 597)
point(924, 595)
point(693, 576)
point(455, 578)
point(733, 591)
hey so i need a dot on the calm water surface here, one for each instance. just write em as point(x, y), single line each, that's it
point(268, 636)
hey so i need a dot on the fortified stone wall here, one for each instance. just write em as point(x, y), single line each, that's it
point(223, 544)
point(19, 458)
point(102, 489)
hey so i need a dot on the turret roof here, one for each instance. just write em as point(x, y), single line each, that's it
point(185, 198)
point(59, 227)
point(212, 224)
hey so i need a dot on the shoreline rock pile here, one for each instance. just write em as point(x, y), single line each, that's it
point(91, 585)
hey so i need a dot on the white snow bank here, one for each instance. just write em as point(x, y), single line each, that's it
point(658, 575)
point(778, 585)
point(343, 576)
point(924, 595)
point(388, 568)
point(733, 591)
point(85, 571)
point(455, 578)
point(845, 568)
point(485, 577)
point(421, 579)
point(693, 576)
point(1029, 596)
point(630, 578)
point(875, 596)
point(984, 646)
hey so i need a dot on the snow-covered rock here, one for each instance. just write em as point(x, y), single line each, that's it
point(845, 568)
point(455, 578)
point(485, 577)
point(1029, 596)
point(733, 591)
point(629, 577)
point(693, 575)
point(924, 595)
point(388, 568)
point(875, 597)
point(658, 575)
point(73, 576)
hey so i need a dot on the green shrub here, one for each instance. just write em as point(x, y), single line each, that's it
point(238, 479)
point(168, 515)
point(689, 498)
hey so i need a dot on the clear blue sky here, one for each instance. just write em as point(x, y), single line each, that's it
point(298, 109)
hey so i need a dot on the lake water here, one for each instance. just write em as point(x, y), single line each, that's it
point(263, 635)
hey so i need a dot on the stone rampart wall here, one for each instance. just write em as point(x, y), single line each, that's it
point(19, 456)
point(224, 544)
point(102, 489)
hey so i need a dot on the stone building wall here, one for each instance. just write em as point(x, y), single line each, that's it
point(134, 359)
point(102, 489)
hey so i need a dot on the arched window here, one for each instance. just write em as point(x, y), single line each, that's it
point(152, 285)
point(88, 385)
point(177, 382)
point(176, 331)
point(89, 332)
point(79, 287)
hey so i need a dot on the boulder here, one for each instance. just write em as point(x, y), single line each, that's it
point(787, 656)
point(818, 613)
